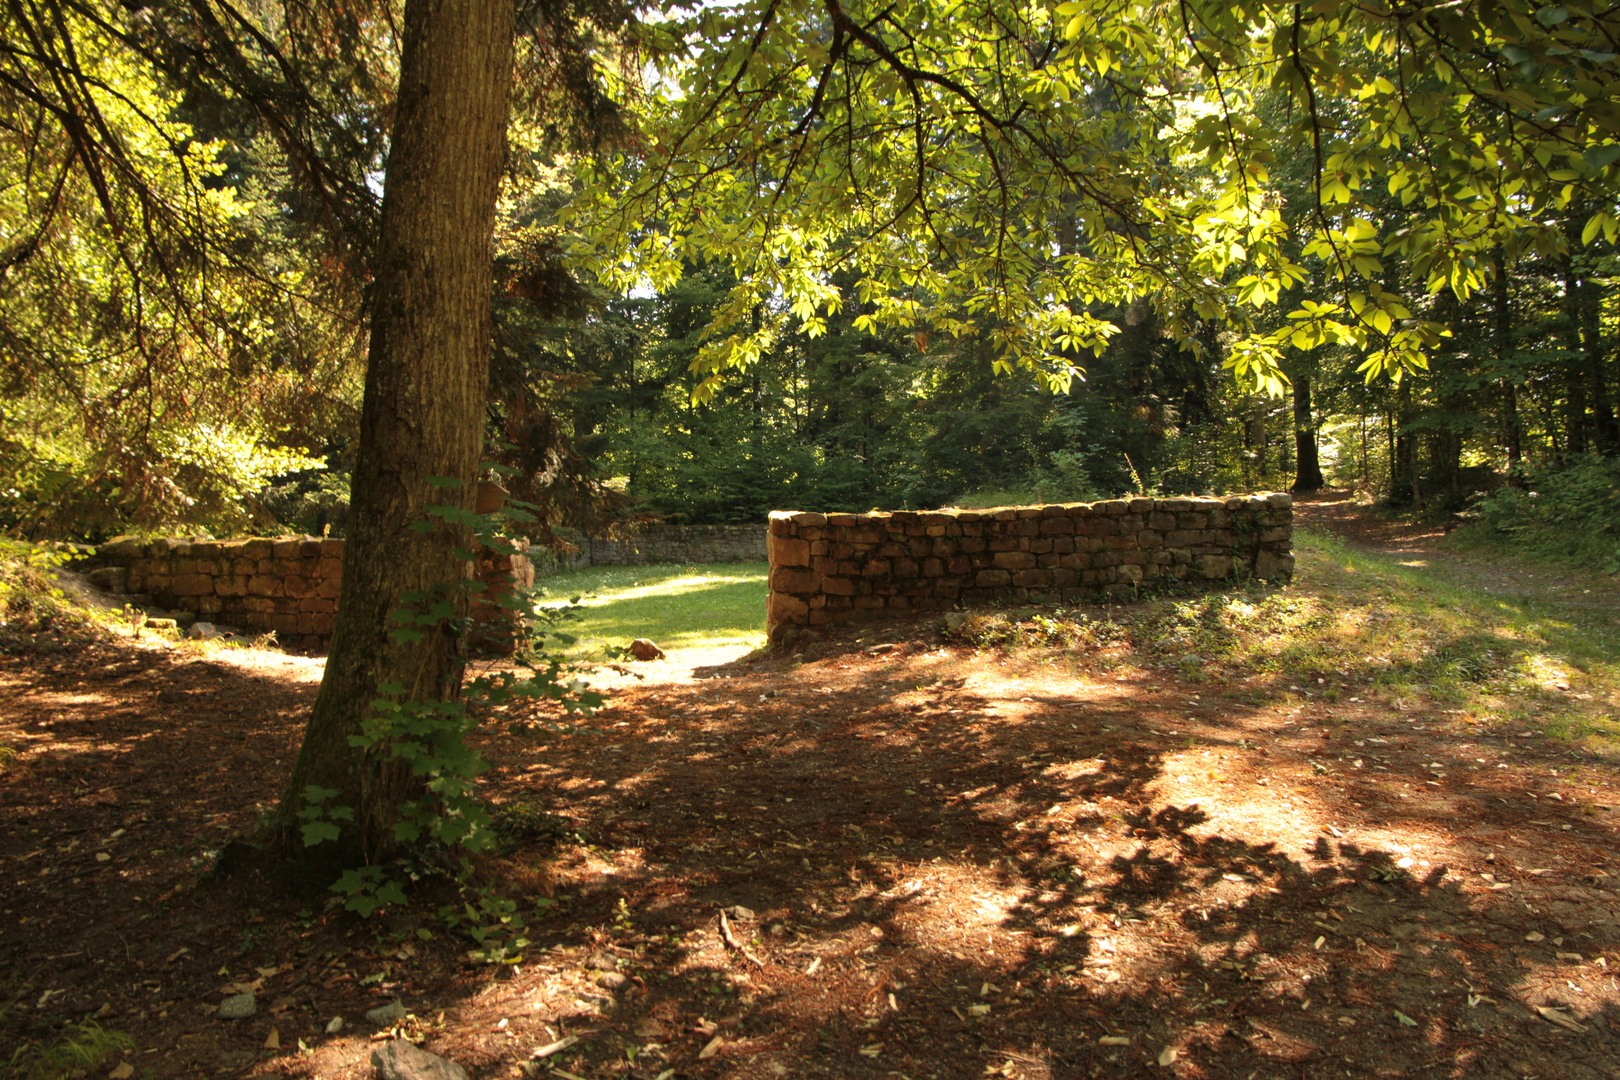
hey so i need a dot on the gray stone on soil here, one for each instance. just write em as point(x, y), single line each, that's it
point(601, 961)
point(387, 1015)
point(238, 1007)
point(162, 624)
point(202, 631)
point(611, 980)
point(400, 1060)
point(334, 1025)
point(954, 621)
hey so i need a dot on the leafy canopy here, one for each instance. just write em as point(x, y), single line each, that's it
point(1010, 167)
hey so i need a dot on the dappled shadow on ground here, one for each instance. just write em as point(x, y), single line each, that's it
point(932, 862)
point(1035, 875)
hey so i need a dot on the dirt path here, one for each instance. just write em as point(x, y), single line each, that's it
point(1596, 596)
point(931, 860)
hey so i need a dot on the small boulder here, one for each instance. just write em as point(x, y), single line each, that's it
point(202, 631)
point(387, 1015)
point(645, 649)
point(400, 1060)
point(238, 1007)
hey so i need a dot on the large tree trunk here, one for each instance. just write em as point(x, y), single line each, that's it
point(1308, 470)
point(422, 415)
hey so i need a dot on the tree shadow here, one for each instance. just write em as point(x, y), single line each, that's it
point(1017, 877)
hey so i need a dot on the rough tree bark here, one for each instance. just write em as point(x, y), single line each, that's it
point(426, 382)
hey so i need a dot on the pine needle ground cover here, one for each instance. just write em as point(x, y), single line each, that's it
point(708, 606)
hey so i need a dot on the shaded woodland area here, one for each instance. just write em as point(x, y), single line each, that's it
point(293, 266)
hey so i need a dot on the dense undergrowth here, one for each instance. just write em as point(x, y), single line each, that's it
point(1568, 515)
point(37, 613)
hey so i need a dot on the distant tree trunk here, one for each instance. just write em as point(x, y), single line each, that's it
point(1308, 470)
point(423, 412)
point(1259, 438)
point(1578, 432)
point(1605, 429)
point(1404, 485)
point(1502, 347)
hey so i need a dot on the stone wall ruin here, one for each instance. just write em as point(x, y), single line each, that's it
point(831, 567)
point(288, 585)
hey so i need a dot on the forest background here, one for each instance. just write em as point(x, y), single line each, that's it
point(183, 336)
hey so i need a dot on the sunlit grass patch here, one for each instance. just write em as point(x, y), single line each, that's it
point(712, 605)
point(1355, 625)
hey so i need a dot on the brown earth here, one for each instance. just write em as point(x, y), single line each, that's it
point(935, 862)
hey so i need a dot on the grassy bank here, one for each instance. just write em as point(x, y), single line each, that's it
point(1364, 628)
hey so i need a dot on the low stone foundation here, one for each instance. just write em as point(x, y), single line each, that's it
point(289, 586)
point(830, 567)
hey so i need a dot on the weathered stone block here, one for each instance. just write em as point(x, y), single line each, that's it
point(192, 585)
point(788, 551)
point(783, 607)
point(989, 579)
point(1014, 560)
point(265, 585)
point(794, 579)
point(295, 586)
point(1271, 566)
point(1033, 579)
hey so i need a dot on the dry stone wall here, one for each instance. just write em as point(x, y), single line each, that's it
point(289, 586)
point(830, 567)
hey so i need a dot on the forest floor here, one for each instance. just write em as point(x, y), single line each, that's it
point(1364, 825)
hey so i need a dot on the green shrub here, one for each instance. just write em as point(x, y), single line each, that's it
point(1570, 512)
point(81, 1049)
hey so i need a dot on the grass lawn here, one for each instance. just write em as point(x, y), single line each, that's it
point(680, 607)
